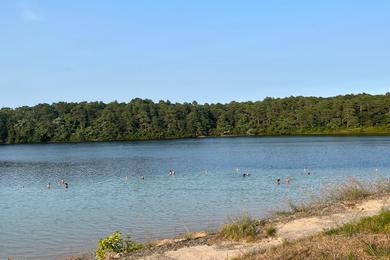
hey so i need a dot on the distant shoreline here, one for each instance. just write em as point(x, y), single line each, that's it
point(143, 119)
point(361, 134)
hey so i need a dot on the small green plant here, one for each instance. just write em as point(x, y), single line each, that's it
point(270, 231)
point(114, 243)
point(242, 227)
point(188, 235)
point(351, 256)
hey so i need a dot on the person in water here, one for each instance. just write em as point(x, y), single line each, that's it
point(170, 172)
point(66, 185)
point(49, 185)
point(288, 180)
point(142, 177)
point(278, 181)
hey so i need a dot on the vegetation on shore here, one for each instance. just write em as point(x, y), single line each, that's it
point(144, 119)
point(244, 227)
point(114, 244)
point(241, 227)
point(335, 197)
point(368, 238)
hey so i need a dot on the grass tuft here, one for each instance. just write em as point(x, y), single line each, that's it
point(270, 231)
point(243, 227)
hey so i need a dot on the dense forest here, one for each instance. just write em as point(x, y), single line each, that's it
point(144, 119)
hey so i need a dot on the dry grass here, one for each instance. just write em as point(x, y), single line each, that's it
point(361, 246)
point(368, 238)
point(351, 190)
point(336, 198)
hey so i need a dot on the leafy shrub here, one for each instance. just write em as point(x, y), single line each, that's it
point(114, 243)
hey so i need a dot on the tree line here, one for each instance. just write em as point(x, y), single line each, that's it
point(142, 119)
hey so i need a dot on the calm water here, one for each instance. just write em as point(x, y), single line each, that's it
point(208, 187)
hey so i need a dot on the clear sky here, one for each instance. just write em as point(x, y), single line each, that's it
point(204, 50)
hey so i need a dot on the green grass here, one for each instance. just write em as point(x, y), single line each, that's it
point(240, 228)
point(376, 224)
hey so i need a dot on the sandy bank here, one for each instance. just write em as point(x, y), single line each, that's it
point(208, 247)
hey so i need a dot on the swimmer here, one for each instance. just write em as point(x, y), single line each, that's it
point(173, 173)
point(126, 178)
point(278, 181)
point(66, 185)
point(142, 177)
point(288, 180)
point(49, 185)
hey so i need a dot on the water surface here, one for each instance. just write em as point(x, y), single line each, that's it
point(45, 224)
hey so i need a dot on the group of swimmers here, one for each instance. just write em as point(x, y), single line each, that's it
point(173, 173)
point(61, 182)
point(142, 177)
point(288, 179)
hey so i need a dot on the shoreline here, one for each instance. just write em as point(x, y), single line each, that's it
point(353, 134)
point(300, 223)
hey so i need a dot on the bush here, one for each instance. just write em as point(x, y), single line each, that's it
point(114, 243)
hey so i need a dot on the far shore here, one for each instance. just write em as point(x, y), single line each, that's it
point(358, 133)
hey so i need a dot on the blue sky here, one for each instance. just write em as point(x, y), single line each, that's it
point(209, 51)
